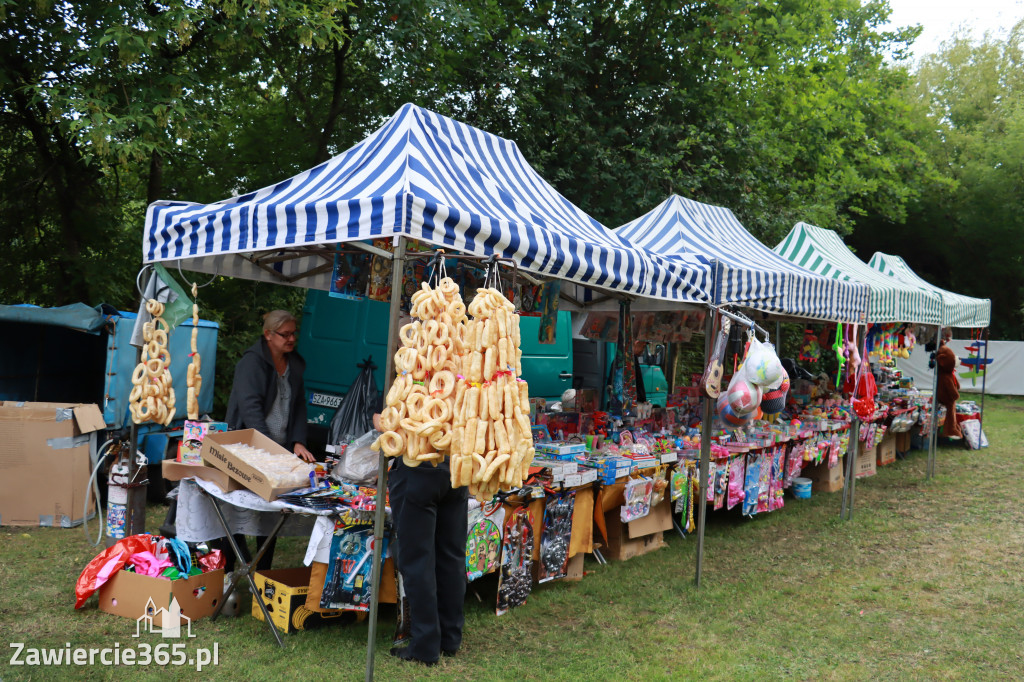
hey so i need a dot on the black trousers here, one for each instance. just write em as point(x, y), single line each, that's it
point(430, 518)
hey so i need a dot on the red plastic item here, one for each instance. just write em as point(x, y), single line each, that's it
point(108, 562)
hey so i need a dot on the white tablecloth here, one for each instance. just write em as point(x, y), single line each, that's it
point(245, 512)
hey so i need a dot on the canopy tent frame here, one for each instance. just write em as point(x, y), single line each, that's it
point(435, 181)
point(891, 301)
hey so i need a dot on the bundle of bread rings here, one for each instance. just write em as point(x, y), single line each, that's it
point(492, 442)
point(417, 417)
point(152, 395)
point(194, 379)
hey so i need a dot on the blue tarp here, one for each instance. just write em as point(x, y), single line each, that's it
point(77, 316)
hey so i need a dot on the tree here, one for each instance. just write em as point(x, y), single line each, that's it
point(967, 233)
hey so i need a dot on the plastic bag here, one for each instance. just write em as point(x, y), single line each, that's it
point(107, 563)
point(359, 463)
point(355, 414)
point(762, 364)
point(743, 395)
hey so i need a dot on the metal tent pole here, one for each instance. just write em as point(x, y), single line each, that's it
point(933, 431)
point(853, 449)
point(984, 375)
point(705, 450)
point(397, 261)
point(852, 452)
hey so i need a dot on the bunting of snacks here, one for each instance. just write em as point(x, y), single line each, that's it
point(417, 418)
point(457, 391)
point(152, 396)
point(492, 445)
point(194, 379)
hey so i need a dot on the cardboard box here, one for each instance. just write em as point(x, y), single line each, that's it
point(44, 459)
point(215, 454)
point(621, 547)
point(866, 462)
point(823, 478)
point(175, 471)
point(284, 592)
point(146, 599)
point(886, 450)
point(903, 442)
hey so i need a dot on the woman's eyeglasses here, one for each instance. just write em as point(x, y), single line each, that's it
point(286, 335)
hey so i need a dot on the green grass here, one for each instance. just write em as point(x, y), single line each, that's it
point(925, 583)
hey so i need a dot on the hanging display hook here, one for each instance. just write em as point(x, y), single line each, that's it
point(208, 282)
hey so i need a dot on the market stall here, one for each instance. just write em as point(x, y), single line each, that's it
point(747, 275)
point(891, 301)
point(957, 311)
point(430, 179)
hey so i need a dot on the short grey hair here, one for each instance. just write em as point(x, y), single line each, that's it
point(276, 319)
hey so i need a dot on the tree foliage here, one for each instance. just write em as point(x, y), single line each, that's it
point(782, 111)
point(966, 233)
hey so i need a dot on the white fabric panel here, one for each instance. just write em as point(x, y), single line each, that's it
point(1005, 372)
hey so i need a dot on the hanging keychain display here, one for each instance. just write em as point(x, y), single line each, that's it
point(554, 545)
point(515, 580)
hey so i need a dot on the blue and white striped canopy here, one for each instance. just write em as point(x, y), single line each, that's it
point(748, 273)
point(429, 178)
point(957, 310)
point(824, 252)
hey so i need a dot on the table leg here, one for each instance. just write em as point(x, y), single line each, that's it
point(247, 568)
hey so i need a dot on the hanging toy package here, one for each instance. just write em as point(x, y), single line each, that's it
point(515, 579)
point(638, 499)
point(735, 481)
point(483, 540)
point(554, 544)
point(347, 584)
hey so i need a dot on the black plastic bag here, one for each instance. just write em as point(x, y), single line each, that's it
point(355, 414)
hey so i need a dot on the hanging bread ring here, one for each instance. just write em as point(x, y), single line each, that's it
point(154, 307)
point(405, 359)
point(160, 336)
point(409, 333)
point(441, 438)
point(392, 443)
point(389, 418)
point(422, 367)
point(437, 409)
point(448, 286)
point(442, 384)
point(430, 328)
point(414, 405)
point(438, 356)
point(139, 374)
point(457, 309)
point(154, 367)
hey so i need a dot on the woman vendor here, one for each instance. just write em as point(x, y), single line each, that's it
point(948, 391)
point(268, 395)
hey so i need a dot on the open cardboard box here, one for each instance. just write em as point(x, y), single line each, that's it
point(44, 456)
point(175, 471)
point(129, 594)
point(215, 454)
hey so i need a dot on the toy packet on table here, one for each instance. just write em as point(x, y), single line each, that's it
point(192, 439)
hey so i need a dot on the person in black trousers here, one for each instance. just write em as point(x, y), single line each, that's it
point(430, 519)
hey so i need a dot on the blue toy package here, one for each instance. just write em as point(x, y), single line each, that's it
point(348, 583)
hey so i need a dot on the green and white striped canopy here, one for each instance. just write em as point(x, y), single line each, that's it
point(957, 310)
point(824, 252)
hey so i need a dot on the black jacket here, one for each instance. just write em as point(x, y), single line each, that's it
point(255, 388)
